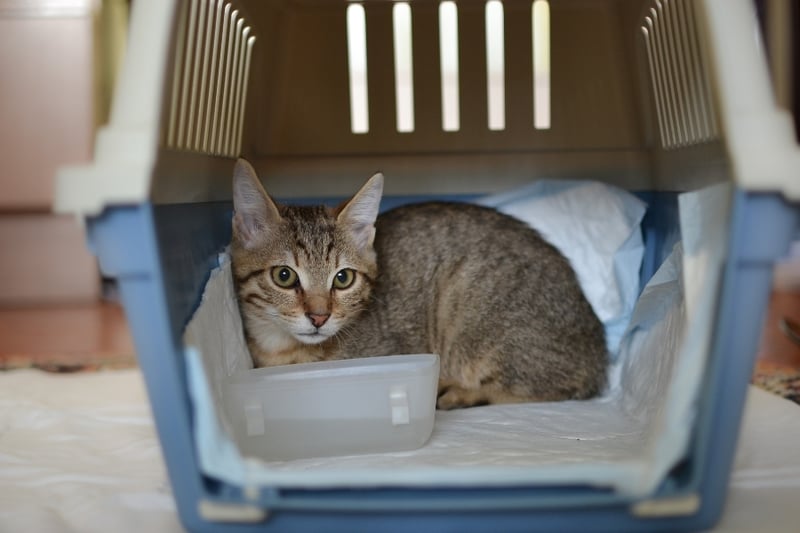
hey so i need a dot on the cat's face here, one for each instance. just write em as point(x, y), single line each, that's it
point(302, 273)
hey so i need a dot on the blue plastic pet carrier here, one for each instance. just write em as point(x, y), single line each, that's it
point(449, 99)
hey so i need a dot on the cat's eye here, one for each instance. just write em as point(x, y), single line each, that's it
point(344, 278)
point(284, 277)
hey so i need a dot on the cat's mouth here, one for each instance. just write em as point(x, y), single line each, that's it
point(313, 337)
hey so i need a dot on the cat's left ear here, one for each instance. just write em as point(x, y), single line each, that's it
point(359, 214)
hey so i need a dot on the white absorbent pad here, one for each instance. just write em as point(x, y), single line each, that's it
point(79, 454)
point(626, 440)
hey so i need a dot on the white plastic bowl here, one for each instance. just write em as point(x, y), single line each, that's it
point(346, 407)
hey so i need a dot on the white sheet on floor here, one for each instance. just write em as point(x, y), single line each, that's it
point(79, 454)
point(626, 440)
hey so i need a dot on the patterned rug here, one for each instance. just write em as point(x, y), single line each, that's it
point(778, 379)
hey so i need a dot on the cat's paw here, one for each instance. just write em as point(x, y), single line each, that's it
point(454, 396)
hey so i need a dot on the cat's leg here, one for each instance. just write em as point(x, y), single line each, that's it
point(298, 353)
point(455, 395)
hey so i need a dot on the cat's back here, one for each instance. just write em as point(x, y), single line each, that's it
point(446, 220)
point(501, 306)
point(466, 258)
point(435, 232)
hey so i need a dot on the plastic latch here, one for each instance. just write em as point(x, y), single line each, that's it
point(398, 400)
point(254, 419)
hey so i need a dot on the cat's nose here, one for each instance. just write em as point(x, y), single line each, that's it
point(318, 320)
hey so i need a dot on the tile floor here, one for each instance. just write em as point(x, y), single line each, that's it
point(776, 347)
point(65, 338)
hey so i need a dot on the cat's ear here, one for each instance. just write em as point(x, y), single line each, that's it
point(254, 211)
point(358, 215)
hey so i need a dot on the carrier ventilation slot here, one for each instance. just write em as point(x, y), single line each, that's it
point(403, 67)
point(540, 23)
point(448, 61)
point(213, 49)
point(680, 88)
point(403, 14)
point(495, 65)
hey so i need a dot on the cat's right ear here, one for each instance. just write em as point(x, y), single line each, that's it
point(360, 212)
point(253, 210)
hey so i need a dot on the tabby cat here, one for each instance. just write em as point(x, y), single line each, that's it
point(501, 307)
